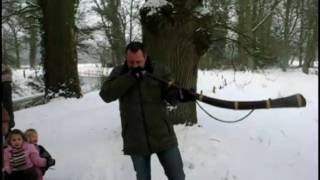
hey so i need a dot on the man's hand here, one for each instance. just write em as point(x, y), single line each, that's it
point(138, 72)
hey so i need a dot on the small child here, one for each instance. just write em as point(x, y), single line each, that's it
point(32, 138)
point(21, 158)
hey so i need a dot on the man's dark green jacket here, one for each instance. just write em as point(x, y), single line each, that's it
point(143, 110)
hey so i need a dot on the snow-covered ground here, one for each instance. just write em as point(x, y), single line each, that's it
point(84, 135)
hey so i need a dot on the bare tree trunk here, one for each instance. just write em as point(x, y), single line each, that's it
point(245, 36)
point(172, 37)
point(16, 63)
point(111, 19)
point(117, 33)
point(32, 20)
point(216, 55)
point(262, 17)
point(59, 58)
point(33, 46)
point(131, 20)
point(312, 35)
point(302, 32)
point(4, 48)
point(310, 53)
point(284, 62)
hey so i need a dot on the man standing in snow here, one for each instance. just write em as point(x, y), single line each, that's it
point(143, 110)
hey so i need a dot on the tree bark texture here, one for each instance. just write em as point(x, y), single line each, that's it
point(176, 38)
point(245, 36)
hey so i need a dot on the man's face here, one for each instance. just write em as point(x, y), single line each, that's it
point(135, 59)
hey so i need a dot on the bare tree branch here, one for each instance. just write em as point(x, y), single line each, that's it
point(267, 16)
point(27, 9)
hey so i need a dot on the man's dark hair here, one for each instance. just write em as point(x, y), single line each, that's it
point(134, 46)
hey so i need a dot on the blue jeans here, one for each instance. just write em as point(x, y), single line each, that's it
point(170, 160)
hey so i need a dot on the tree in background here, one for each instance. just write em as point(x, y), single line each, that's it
point(33, 39)
point(15, 29)
point(246, 36)
point(59, 48)
point(20, 24)
point(302, 30)
point(254, 33)
point(10, 29)
point(215, 57)
point(33, 28)
point(114, 26)
point(285, 52)
point(130, 12)
point(7, 47)
point(241, 25)
point(262, 15)
point(312, 35)
point(266, 33)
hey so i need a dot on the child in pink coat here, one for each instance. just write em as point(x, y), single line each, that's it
point(21, 158)
point(32, 138)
